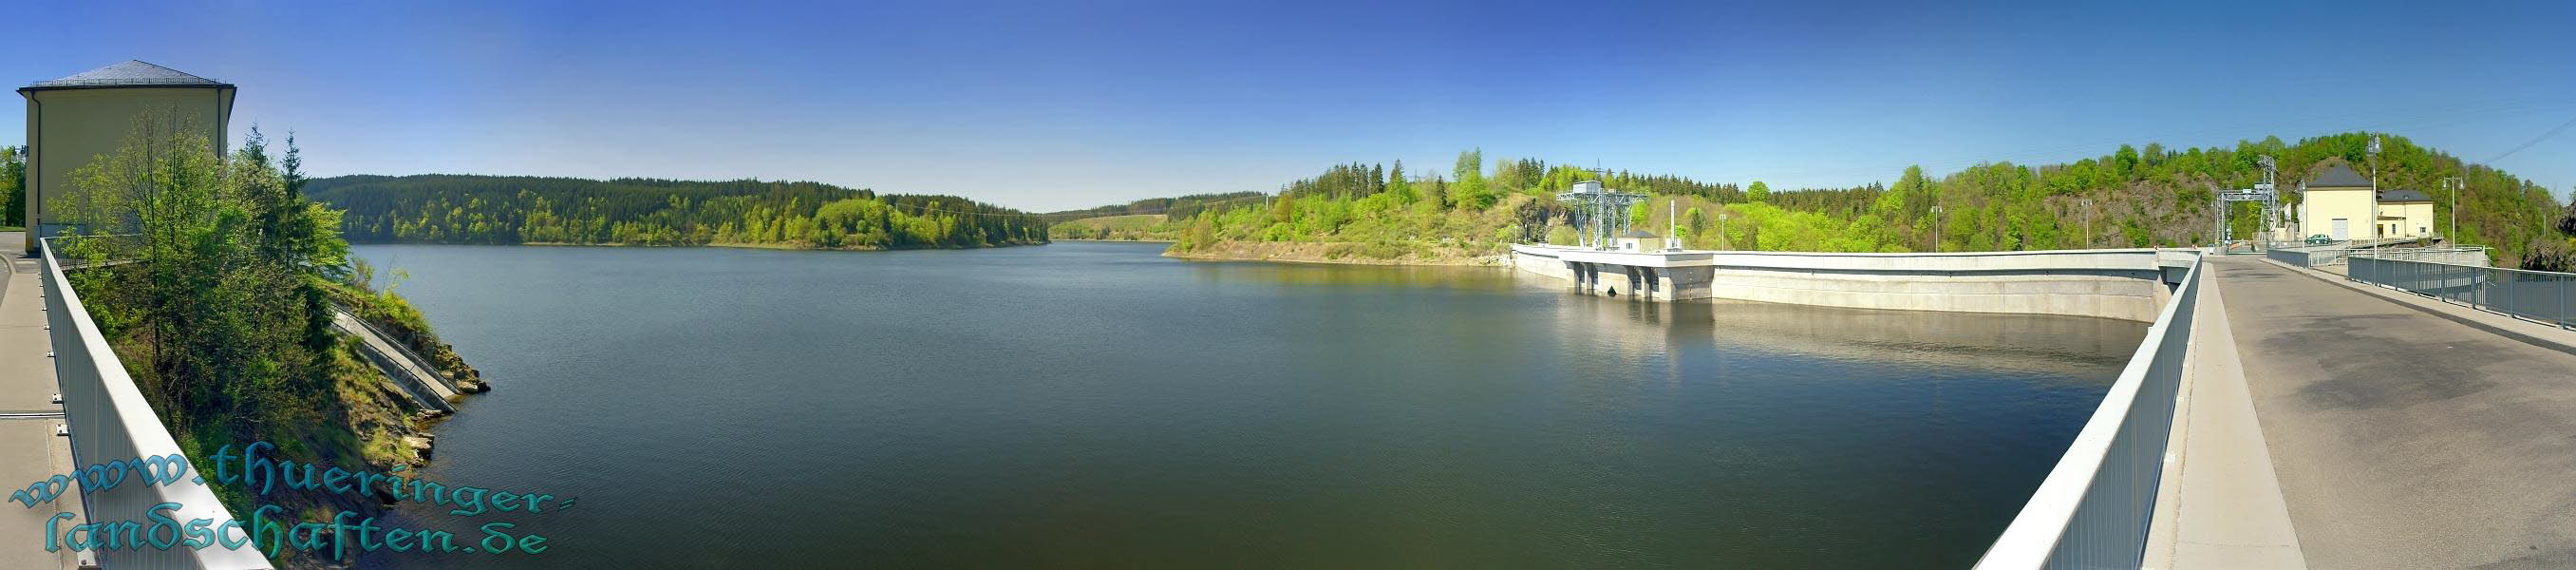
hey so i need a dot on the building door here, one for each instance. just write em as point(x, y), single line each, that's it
point(2342, 229)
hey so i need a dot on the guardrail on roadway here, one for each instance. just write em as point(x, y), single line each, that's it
point(2094, 508)
point(2544, 296)
point(111, 421)
point(2318, 256)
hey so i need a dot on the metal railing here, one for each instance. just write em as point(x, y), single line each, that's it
point(111, 424)
point(2543, 296)
point(2094, 508)
point(2334, 255)
point(2460, 255)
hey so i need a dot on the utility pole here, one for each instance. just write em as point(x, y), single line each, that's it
point(2087, 205)
point(1673, 224)
point(2455, 183)
point(1723, 242)
point(1936, 227)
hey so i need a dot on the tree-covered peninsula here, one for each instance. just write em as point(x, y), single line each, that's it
point(473, 209)
point(2130, 197)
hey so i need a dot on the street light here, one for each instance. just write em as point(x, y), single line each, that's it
point(2087, 205)
point(1936, 227)
point(2375, 238)
point(2455, 183)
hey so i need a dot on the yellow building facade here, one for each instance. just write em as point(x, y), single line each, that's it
point(73, 120)
point(2337, 204)
point(2405, 213)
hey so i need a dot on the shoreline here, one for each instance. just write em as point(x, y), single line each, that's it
point(1323, 253)
point(783, 247)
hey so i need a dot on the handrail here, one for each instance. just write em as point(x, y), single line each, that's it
point(2548, 297)
point(2094, 508)
point(110, 420)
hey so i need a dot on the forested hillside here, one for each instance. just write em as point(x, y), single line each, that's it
point(446, 208)
point(2131, 197)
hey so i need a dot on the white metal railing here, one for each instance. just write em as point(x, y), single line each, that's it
point(2324, 256)
point(2094, 508)
point(112, 424)
point(2545, 296)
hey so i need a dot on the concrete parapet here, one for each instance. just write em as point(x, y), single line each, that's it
point(2128, 284)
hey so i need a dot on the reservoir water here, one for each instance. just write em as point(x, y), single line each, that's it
point(1097, 405)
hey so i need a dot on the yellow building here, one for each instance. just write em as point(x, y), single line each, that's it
point(2337, 204)
point(73, 120)
point(2405, 213)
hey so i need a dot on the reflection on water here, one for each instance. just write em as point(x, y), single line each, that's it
point(1094, 404)
point(2066, 347)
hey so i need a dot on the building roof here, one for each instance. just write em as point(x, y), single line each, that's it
point(131, 73)
point(2338, 176)
point(2403, 196)
point(1638, 234)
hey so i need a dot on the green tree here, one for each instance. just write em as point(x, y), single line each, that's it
point(1468, 188)
point(1758, 192)
point(227, 326)
point(13, 186)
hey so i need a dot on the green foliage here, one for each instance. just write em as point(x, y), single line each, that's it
point(215, 300)
point(443, 208)
point(1176, 208)
point(13, 186)
point(2128, 198)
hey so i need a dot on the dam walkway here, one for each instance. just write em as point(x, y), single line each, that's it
point(30, 450)
point(2404, 432)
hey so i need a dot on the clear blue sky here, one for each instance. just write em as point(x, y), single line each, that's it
point(1051, 105)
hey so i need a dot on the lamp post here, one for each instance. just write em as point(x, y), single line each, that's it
point(2374, 197)
point(2455, 183)
point(2087, 205)
point(1936, 227)
point(1673, 224)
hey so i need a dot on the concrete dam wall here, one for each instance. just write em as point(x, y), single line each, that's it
point(2127, 284)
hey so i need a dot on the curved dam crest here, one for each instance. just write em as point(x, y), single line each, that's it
point(2125, 284)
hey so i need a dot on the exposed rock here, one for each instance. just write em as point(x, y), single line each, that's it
point(421, 444)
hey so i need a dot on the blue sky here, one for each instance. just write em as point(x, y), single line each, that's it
point(1062, 105)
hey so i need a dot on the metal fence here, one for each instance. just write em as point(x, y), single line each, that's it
point(2094, 508)
point(112, 426)
point(2547, 297)
point(2334, 255)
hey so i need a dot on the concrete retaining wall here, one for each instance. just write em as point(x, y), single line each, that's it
point(2127, 284)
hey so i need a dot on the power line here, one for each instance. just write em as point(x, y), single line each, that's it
point(2562, 127)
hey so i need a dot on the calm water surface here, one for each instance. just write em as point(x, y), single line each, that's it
point(1096, 405)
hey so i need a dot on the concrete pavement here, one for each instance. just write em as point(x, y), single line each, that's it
point(2403, 439)
point(2220, 503)
point(29, 450)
